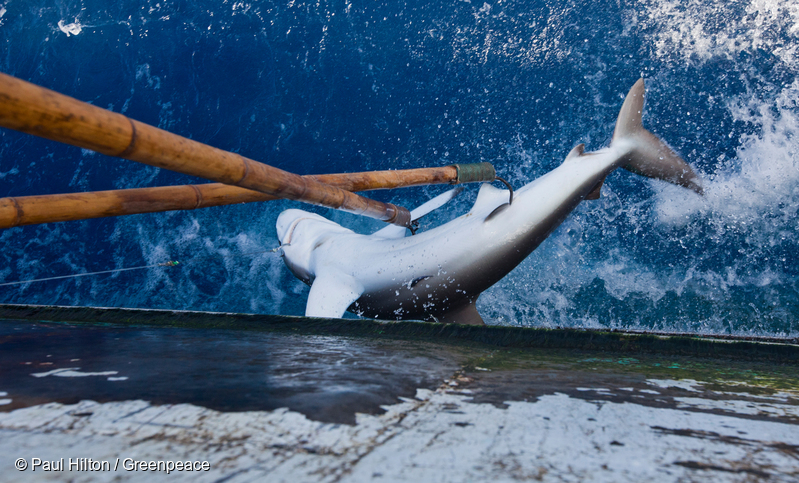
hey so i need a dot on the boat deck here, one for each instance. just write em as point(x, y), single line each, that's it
point(265, 398)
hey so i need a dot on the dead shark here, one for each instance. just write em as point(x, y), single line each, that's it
point(438, 274)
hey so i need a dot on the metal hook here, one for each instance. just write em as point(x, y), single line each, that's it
point(510, 188)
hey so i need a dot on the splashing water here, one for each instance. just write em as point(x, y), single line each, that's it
point(316, 87)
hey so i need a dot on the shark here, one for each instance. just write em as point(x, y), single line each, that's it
point(437, 275)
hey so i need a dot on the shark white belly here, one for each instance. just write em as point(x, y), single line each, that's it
point(438, 274)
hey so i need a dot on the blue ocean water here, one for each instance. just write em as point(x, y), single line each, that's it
point(333, 86)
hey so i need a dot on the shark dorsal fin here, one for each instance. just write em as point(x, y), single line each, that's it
point(575, 153)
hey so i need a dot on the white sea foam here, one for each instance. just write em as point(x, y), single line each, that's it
point(11, 171)
point(762, 179)
point(229, 267)
point(74, 28)
point(623, 276)
point(755, 197)
point(702, 29)
point(751, 199)
point(72, 372)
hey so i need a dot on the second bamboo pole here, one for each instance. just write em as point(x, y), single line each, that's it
point(31, 210)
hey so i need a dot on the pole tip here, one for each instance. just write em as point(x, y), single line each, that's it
point(402, 217)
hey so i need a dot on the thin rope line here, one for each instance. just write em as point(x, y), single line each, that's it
point(166, 264)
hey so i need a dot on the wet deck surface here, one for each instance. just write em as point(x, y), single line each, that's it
point(299, 407)
point(326, 378)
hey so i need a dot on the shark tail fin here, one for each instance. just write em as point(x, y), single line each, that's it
point(650, 156)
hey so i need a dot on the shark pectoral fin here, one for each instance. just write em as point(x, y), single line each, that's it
point(331, 294)
point(594, 194)
point(435, 203)
point(466, 314)
point(396, 231)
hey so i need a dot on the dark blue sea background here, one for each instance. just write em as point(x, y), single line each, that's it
point(336, 86)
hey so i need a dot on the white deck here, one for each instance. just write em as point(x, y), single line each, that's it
point(436, 437)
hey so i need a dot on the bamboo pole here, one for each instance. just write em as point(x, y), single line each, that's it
point(35, 110)
point(31, 210)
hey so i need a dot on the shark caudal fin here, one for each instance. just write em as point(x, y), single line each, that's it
point(650, 156)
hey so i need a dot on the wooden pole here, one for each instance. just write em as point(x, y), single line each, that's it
point(35, 110)
point(31, 210)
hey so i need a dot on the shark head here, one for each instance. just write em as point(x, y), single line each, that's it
point(299, 233)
